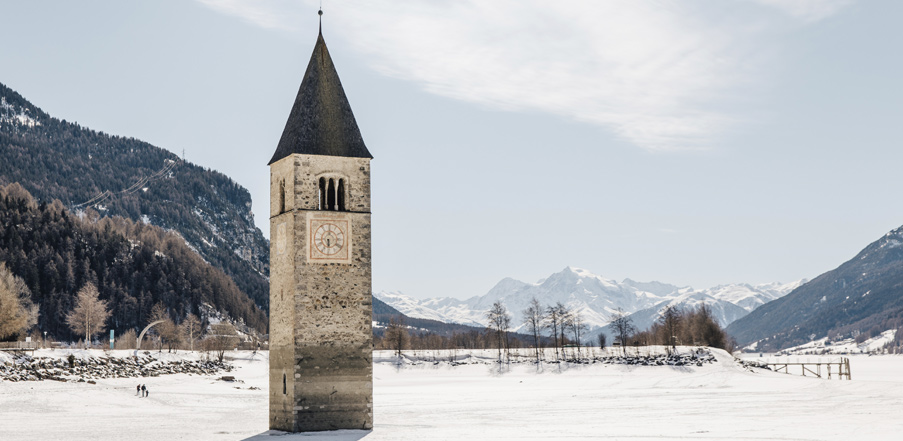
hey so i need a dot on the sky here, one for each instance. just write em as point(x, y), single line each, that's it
point(696, 142)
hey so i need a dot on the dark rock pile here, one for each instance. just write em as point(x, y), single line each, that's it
point(750, 364)
point(696, 358)
point(27, 368)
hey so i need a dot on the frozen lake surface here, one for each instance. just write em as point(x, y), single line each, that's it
point(416, 402)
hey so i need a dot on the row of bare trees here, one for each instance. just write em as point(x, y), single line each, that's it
point(89, 316)
point(564, 326)
point(555, 327)
point(399, 336)
point(558, 327)
point(171, 334)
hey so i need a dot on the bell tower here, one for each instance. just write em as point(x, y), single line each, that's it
point(321, 337)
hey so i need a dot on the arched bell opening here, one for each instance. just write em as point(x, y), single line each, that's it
point(330, 195)
point(282, 196)
point(341, 194)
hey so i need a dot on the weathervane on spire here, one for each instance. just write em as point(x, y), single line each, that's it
point(320, 13)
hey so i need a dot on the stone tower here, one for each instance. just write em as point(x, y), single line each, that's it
point(321, 341)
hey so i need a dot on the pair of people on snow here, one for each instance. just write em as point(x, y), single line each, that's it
point(142, 390)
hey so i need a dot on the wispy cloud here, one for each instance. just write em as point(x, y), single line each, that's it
point(807, 10)
point(269, 14)
point(657, 74)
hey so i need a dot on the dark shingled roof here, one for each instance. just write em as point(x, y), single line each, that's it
point(321, 122)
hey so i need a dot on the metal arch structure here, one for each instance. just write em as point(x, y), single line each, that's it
point(141, 335)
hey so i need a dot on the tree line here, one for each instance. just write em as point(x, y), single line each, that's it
point(695, 326)
point(555, 327)
point(560, 332)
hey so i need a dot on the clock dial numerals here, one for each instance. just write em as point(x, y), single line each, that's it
point(329, 239)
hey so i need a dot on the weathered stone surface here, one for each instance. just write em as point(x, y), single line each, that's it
point(321, 367)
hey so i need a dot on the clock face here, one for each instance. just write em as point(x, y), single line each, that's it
point(329, 239)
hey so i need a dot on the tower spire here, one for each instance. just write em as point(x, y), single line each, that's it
point(321, 121)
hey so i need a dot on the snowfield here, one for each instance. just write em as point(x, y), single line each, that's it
point(423, 399)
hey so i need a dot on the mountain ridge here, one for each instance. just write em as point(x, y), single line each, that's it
point(88, 169)
point(134, 267)
point(862, 296)
point(594, 296)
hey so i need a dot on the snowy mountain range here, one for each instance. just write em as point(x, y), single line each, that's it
point(595, 297)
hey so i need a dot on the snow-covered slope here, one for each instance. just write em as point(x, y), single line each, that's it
point(723, 311)
point(879, 344)
point(750, 297)
point(727, 302)
point(594, 296)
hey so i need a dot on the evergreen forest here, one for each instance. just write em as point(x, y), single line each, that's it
point(134, 266)
point(126, 177)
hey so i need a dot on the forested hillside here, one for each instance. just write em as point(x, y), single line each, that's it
point(133, 265)
point(83, 168)
point(861, 298)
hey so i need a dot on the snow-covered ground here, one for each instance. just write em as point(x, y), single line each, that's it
point(476, 401)
point(825, 347)
point(846, 346)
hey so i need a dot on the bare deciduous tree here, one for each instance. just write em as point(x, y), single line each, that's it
point(695, 326)
point(670, 323)
point(553, 324)
point(397, 335)
point(499, 323)
point(128, 340)
point(90, 314)
point(534, 318)
point(167, 331)
point(705, 329)
point(191, 328)
point(574, 323)
point(17, 312)
point(222, 337)
point(622, 327)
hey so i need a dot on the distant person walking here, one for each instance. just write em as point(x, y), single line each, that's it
point(138, 390)
point(143, 390)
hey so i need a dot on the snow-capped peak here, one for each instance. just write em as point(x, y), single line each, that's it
point(594, 296)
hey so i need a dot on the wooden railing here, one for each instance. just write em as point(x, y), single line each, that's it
point(18, 345)
point(814, 368)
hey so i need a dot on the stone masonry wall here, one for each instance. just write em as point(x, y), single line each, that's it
point(329, 311)
point(282, 295)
